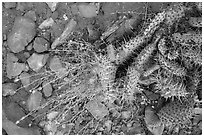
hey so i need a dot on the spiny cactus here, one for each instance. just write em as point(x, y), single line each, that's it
point(170, 86)
point(133, 76)
point(145, 55)
point(171, 65)
point(174, 13)
point(106, 70)
point(139, 41)
point(177, 112)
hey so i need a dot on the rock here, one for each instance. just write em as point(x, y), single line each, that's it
point(126, 114)
point(9, 89)
point(93, 34)
point(34, 100)
point(56, 66)
point(66, 33)
point(88, 10)
point(108, 125)
point(37, 61)
point(13, 129)
point(22, 33)
point(25, 79)
point(52, 115)
point(31, 14)
point(52, 5)
point(46, 23)
point(153, 122)
point(9, 5)
point(97, 109)
point(29, 47)
point(13, 68)
point(40, 45)
point(14, 112)
point(47, 89)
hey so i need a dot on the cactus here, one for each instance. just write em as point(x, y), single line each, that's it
point(172, 66)
point(106, 70)
point(133, 76)
point(177, 112)
point(170, 86)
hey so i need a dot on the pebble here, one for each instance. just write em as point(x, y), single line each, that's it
point(9, 5)
point(13, 68)
point(108, 124)
point(56, 66)
point(31, 14)
point(25, 79)
point(87, 10)
point(52, 5)
point(47, 89)
point(126, 114)
point(52, 115)
point(37, 61)
point(47, 23)
point(22, 33)
point(34, 100)
point(9, 89)
point(40, 45)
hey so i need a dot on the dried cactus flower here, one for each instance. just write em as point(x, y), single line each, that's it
point(177, 112)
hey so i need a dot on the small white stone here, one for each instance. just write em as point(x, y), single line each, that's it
point(52, 115)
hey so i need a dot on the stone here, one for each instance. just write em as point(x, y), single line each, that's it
point(22, 33)
point(9, 5)
point(37, 61)
point(126, 114)
point(46, 23)
point(52, 115)
point(88, 10)
point(65, 34)
point(31, 14)
point(97, 109)
point(108, 125)
point(25, 79)
point(56, 66)
point(153, 122)
point(13, 68)
point(52, 5)
point(40, 45)
point(9, 89)
point(47, 89)
point(34, 100)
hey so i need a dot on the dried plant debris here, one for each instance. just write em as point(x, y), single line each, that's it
point(97, 68)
